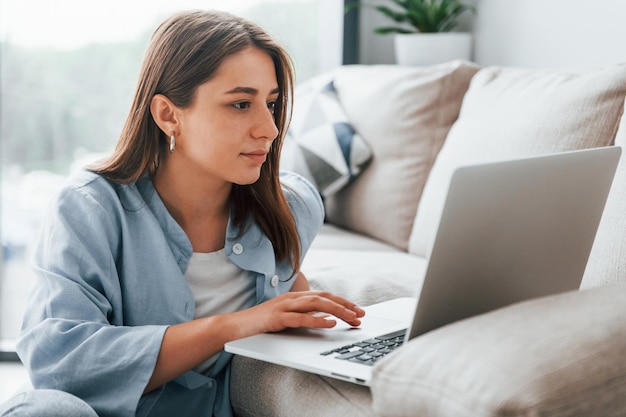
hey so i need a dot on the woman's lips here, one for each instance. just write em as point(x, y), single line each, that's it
point(257, 156)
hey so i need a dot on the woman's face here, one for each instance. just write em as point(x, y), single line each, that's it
point(226, 132)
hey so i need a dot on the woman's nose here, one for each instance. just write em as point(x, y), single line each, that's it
point(265, 126)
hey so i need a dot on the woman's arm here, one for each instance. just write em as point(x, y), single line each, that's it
point(186, 345)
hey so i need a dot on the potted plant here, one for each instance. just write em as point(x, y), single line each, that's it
point(423, 30)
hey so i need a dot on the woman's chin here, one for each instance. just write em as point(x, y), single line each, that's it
point(247, 180)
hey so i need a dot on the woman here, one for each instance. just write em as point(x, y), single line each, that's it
point(184, 239)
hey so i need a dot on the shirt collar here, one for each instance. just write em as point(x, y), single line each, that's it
point(254, 251)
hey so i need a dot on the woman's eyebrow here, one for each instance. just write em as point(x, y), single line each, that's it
point(250, 90)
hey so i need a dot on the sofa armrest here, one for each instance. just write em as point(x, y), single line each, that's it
point(562, 355)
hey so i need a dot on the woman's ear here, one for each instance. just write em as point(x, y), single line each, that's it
point(164, 113)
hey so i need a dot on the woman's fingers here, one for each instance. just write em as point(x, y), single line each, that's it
point(327, 303)
point(319, 303)
point(311, 299)
point(295, 320)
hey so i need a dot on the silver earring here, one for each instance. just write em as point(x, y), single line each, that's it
point(172, 143)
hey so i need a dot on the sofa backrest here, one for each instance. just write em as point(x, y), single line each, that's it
point(404, 114)
point(509, 113)
point(607, 261)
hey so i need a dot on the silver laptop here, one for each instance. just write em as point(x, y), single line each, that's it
point(509, 231)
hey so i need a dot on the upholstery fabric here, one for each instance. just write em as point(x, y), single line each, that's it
point(321, 144)
point(514, 113)
point(276, 391)
point(607, 263)
point(559, 356)
point(361, 269)
point(333, 237)
point(404, 114)
point(365, 277)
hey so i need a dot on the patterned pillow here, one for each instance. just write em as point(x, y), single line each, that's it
point(321, 145)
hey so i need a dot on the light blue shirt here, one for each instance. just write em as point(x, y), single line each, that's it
point(110, 266)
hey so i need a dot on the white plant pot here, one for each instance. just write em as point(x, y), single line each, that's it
point(421, 49)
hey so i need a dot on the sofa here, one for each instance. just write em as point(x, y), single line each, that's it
point(410, 128)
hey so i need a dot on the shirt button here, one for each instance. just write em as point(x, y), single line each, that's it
point(274, 281)
point(237, 249)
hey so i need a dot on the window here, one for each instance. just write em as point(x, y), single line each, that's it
point(68, 69)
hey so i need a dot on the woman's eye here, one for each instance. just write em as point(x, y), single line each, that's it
point(272, 106)
point(242, 106)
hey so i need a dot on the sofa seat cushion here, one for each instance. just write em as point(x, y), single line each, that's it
point(361, 268)
point(365, 277)
point(334, 237)
point(556, 356)
point(511, 113)
point(404, 114)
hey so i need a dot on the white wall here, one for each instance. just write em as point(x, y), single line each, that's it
point(529, 33)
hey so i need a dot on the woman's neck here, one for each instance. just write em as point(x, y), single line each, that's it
point(199, 206)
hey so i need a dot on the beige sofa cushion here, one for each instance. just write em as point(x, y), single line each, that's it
point(362, 269)
point(557, 356)
point(512, 113)
point(261, 389)
point(332, 237)
point(404, 114)
point(607, 261)
point(365, 277)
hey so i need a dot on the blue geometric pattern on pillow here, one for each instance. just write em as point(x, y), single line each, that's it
point(321, 144)
point(345, 136)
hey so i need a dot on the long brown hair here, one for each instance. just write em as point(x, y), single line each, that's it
point(184, 52)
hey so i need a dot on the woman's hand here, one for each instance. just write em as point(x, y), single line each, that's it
point(301, 283)
point(300, 309)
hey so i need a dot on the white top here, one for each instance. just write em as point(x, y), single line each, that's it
point(218, 286)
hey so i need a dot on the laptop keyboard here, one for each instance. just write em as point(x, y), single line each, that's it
point(369, 351)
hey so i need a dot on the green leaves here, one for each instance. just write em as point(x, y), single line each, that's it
point(426, 16)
